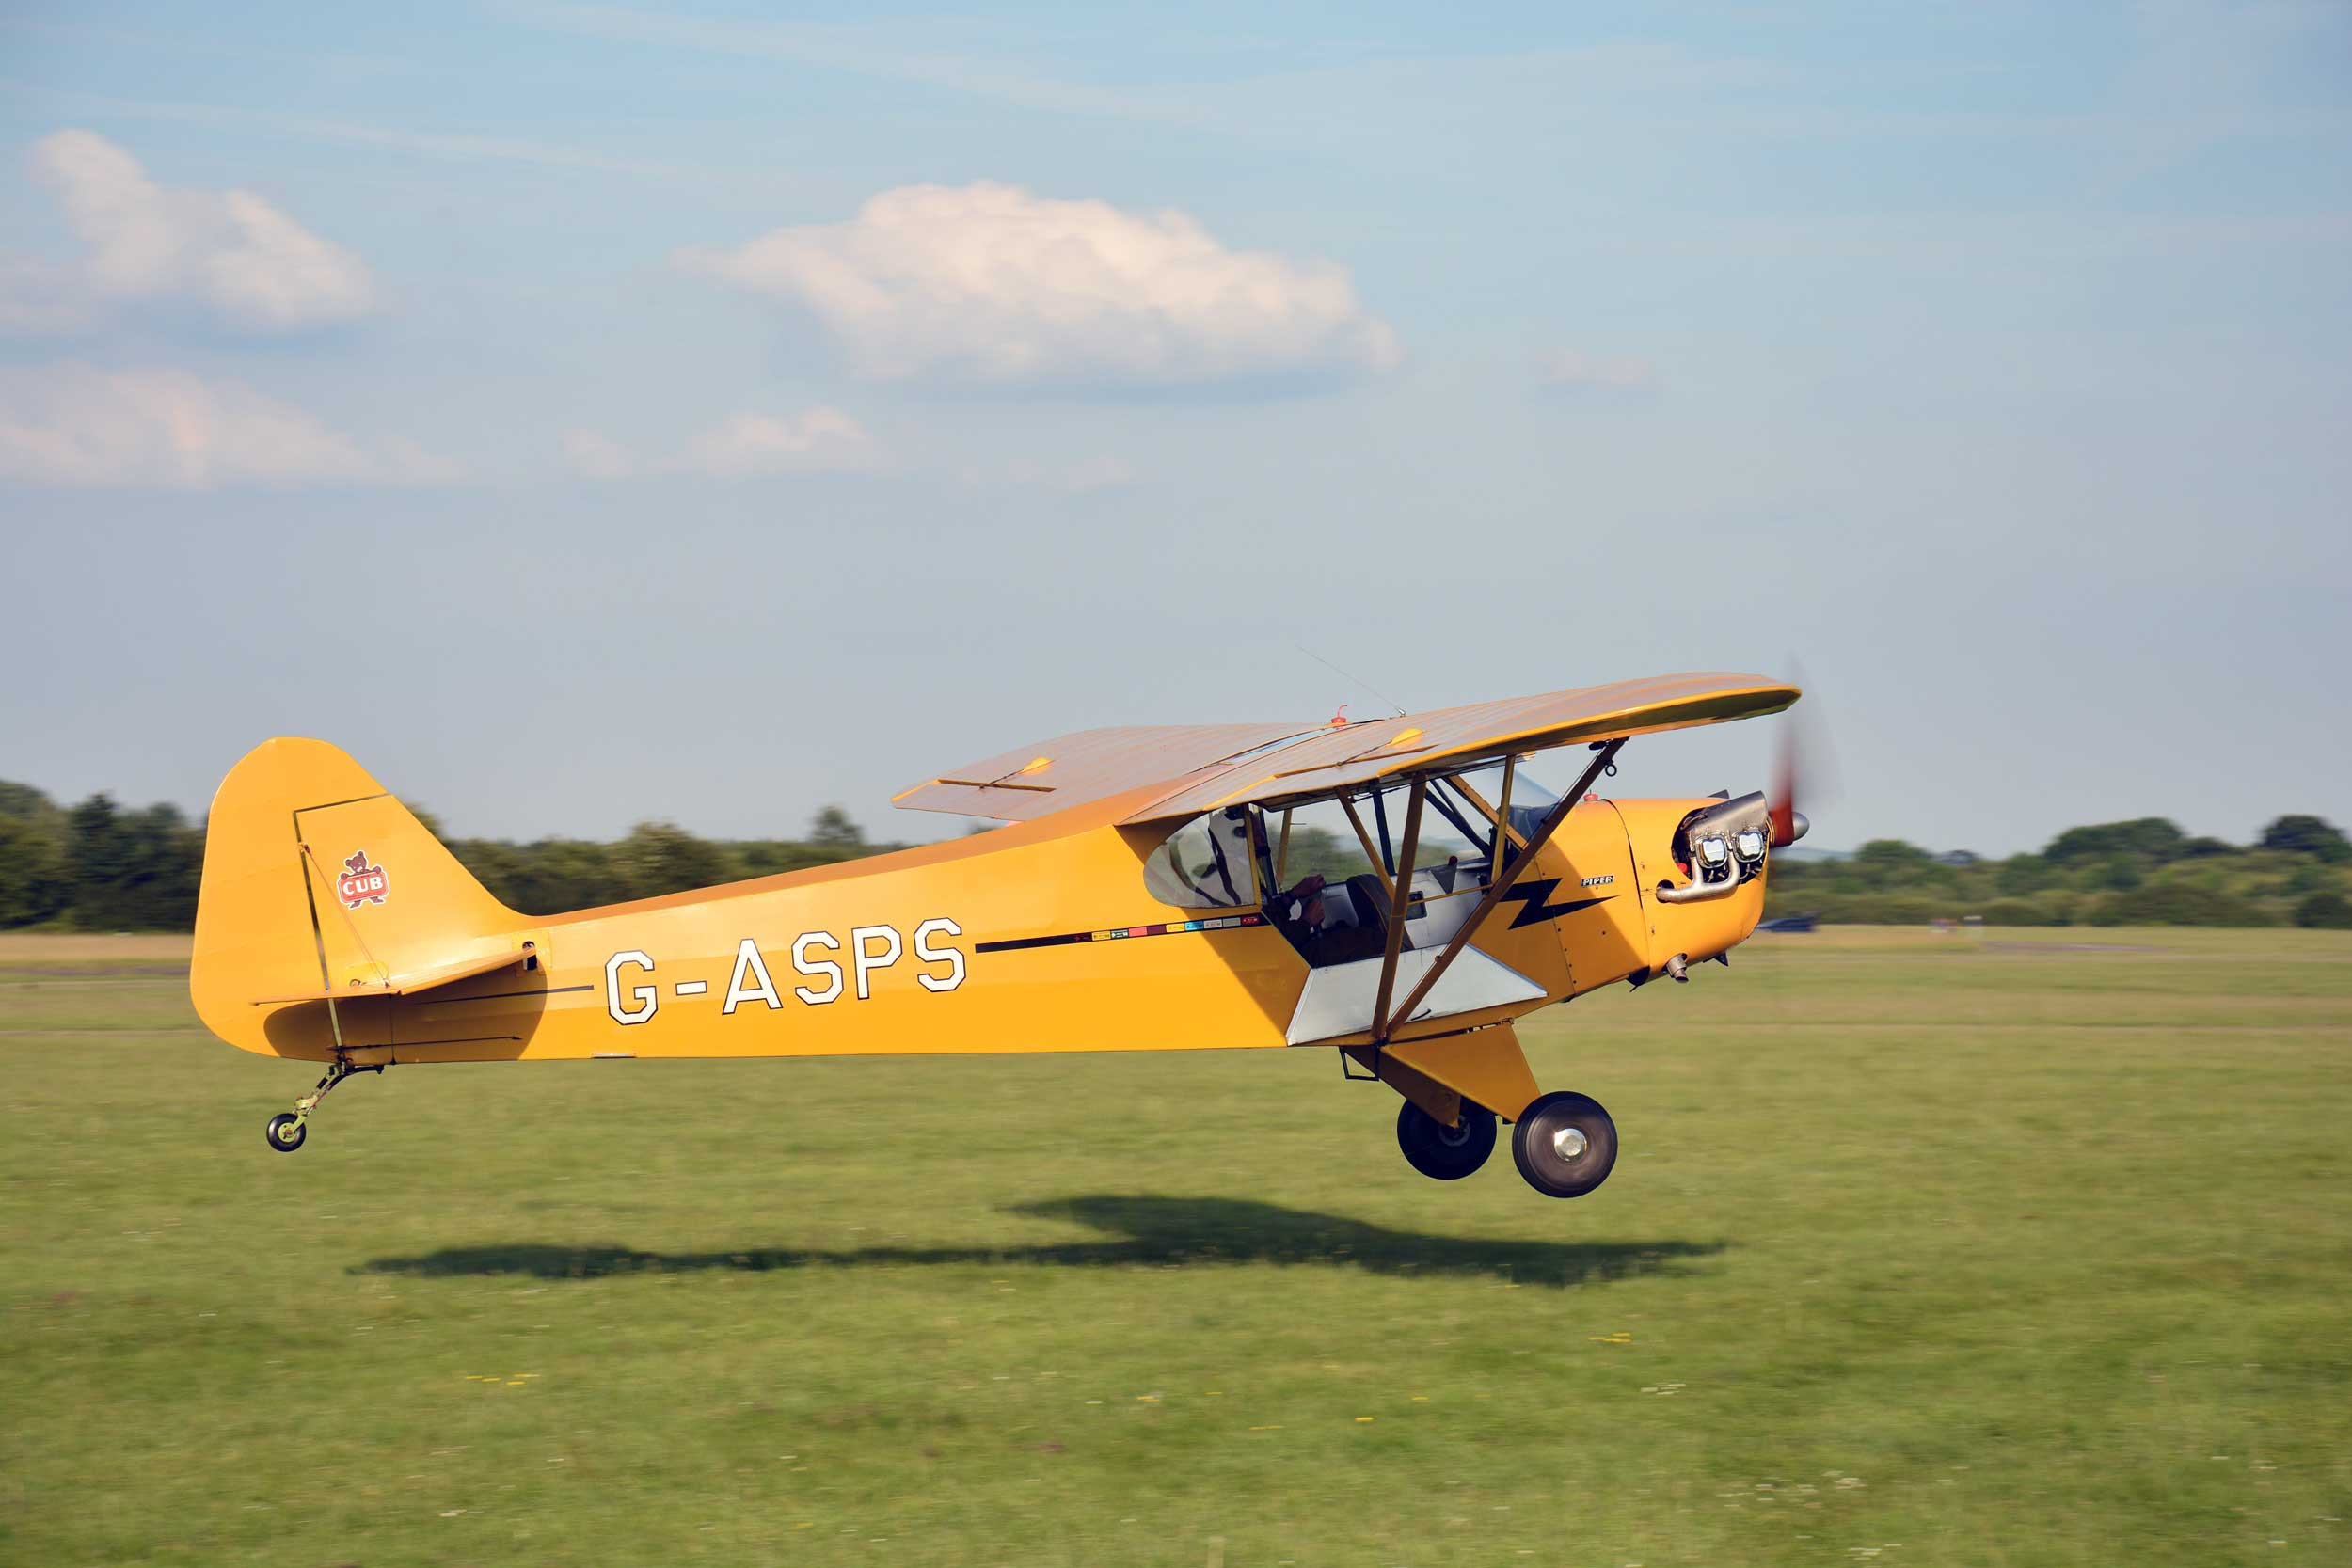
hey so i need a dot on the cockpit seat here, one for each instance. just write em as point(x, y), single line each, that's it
point(1369, 937)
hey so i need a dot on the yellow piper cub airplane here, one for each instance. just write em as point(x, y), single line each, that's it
point(1150, 893)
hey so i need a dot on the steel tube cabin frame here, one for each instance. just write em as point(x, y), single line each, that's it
point(1383, 1022)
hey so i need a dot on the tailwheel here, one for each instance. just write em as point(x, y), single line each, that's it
point(287, 1129)
point(1442, 1152)
point(1564, 1144)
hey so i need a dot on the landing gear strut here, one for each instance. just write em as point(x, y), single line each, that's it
point(287, 1129)
point(1445, 1154)
point(1564, 1144)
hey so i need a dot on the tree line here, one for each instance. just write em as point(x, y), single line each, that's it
point(2144, 872)
point(99, 866)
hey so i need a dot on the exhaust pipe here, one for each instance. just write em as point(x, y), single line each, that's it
point(1695, 893)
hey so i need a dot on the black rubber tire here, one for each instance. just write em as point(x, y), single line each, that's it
point(277, 1125)
point(1440, 1152)
point(1540, 1161)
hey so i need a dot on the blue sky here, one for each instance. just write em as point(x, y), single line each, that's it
point(585, 413)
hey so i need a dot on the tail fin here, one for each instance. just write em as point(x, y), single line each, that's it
point(318, 882)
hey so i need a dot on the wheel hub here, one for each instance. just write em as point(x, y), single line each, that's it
point(1569, 1142)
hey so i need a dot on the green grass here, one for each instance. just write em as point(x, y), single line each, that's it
point(1920, 1251)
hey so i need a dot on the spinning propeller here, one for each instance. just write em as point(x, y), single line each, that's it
point(1789, 823)
point(1797, 764)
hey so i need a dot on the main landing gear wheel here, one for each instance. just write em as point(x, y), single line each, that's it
point(286, 1131)
point(1564, 1144)
point(1445, 1154)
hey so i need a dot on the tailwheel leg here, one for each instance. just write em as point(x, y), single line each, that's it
point(287, 1129)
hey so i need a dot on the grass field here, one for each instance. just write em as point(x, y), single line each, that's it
point(2027, 1249)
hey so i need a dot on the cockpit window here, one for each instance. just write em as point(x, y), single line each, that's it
point(1205, 864)
point(1326, 871)
point(1530, 800)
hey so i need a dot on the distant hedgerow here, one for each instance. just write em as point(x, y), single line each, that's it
point(2325, 912)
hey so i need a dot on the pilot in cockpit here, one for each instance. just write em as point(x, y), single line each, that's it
point(1298, 908)
point(1302, 904)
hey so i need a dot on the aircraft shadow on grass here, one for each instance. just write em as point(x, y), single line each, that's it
point(1136, 1232)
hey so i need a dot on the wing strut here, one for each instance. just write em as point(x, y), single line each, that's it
point(1400, 906)
point(1502, 884)
point(1372, 854)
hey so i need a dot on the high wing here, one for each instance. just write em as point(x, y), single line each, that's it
point(1208, 765)
point(1462, 737)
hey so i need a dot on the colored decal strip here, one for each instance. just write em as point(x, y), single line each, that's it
point(1168, 929)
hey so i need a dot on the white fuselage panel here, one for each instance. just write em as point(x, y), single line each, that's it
point(1339, 998)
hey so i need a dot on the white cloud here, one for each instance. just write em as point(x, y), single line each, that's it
point(741, 446)
point(986, 283)
point(1565, 368)
point(77, 426)
point(231, 251)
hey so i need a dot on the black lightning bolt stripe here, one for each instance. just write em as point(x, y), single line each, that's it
point(1537, 895)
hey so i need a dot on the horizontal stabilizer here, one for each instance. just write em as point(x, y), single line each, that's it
point(415, 980)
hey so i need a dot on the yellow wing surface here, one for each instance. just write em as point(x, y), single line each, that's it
point(1208, 765)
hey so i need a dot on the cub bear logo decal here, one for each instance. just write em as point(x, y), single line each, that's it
point(361, 883)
